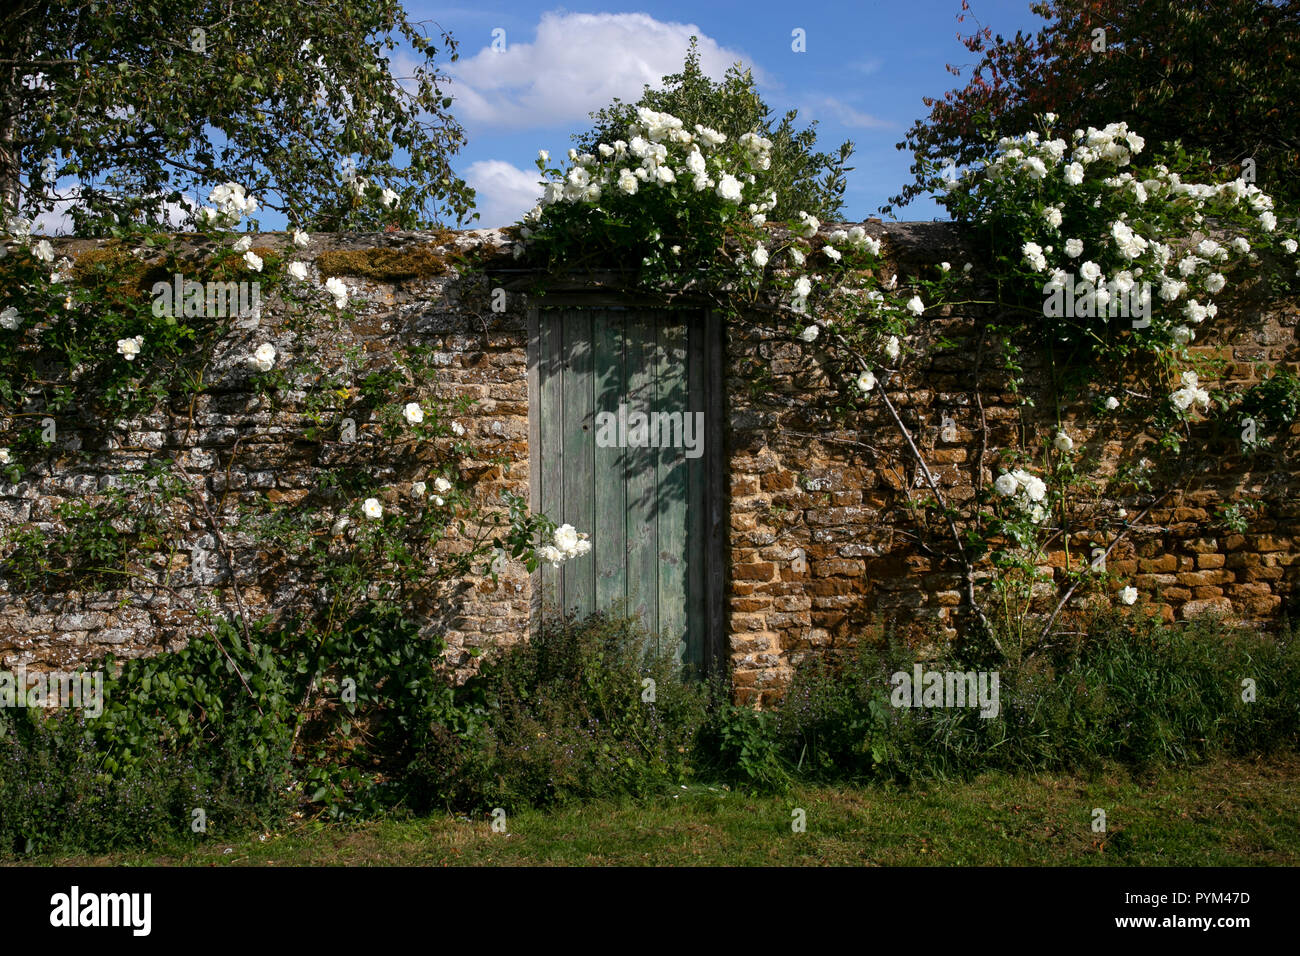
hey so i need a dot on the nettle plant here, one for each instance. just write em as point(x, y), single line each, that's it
point(1106, 269)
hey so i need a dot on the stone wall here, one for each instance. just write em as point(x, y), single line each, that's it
point(824, 551)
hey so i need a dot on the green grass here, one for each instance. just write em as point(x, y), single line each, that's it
point(1228, 812)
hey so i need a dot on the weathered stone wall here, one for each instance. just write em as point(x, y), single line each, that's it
point(247, 450)
point(824, 550)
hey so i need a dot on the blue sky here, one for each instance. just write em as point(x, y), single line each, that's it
point(865, 70)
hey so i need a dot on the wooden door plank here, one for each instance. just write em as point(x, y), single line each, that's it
point(642, 513)
point(550, 439)
point(609, 529)
point(578, 575)
point(671, 400)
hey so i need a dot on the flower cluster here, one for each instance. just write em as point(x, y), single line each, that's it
point(231, 203)
point(1025, 490)
point(567, 542)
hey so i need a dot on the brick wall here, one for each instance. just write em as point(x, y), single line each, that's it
point(823, 551)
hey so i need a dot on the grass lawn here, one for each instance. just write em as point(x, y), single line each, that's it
point(1230, 812)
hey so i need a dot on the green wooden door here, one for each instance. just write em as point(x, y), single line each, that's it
point(623, 415)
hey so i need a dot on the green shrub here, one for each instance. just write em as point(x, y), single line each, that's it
point(568, 715)
point(1131, 690)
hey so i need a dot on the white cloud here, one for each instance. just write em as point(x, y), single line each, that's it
point(505, 192)
point(823, 107)
point(56, 218)
point(578, 63)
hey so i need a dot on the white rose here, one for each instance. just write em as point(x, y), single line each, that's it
point(253, 260)
point(915, 305)
point(43, 251)
point(301, 239)
point(1073, 247)
point(373, 509)
point(9, 318)
point(892, 350)
point(388, 197)
point(244, 244)
point(1112, 403)
point(566, 537)
point(263, 359)
point(413, 413)
point(1006, 484)
point(729, 188)
point(298, 270)
point(418, 489)
point(336, 287)
point(130, 348)
point(866, 381)
point(810, 334)
point(457, 428)
point(1128, 595)
point(1063, 442)
point(441, 485)
point(759, 255)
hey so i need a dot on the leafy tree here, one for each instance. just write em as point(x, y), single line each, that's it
point(1218, 75)
point(803, 178)
point(139, 101)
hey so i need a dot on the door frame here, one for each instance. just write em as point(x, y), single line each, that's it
point(717, 484)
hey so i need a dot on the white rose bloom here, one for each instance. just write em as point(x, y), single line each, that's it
point(802, 287)
point(373, 509)
point(566, 538)
point(301, 239)
point(441, 485)
point(796, 257)
point(1063, 442)
point(1128, 595)
point(1267, 221)
point(1074, 174)
point(605, 150)
point(9, 318)
point(263, 359)
point(1289, 245)
point(130, 348)
point(544, 155)
point(297, 270)
point(457, 428)
point(1182, 335)
point(810, 334)
point(1052, 215)
point(1073, 247)
point(1006, 484)
point(891, 348)
point(336, 287)
point(413, 413)
point(253, 261)
point(1035, 488)
point(43, 251)
point(866, 381)
point(1033, 254)
point(551, 555)
point(915, 305)
point(759, 256)
point(388, 197)
point(627, 182)
point(832, 253)
point(243, 244)
point(729, 188)
point(1090, 271)
point(1240, 245)
point(1112, 403)
point(419, 489)
point(1214, 282)
point(439, 500)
